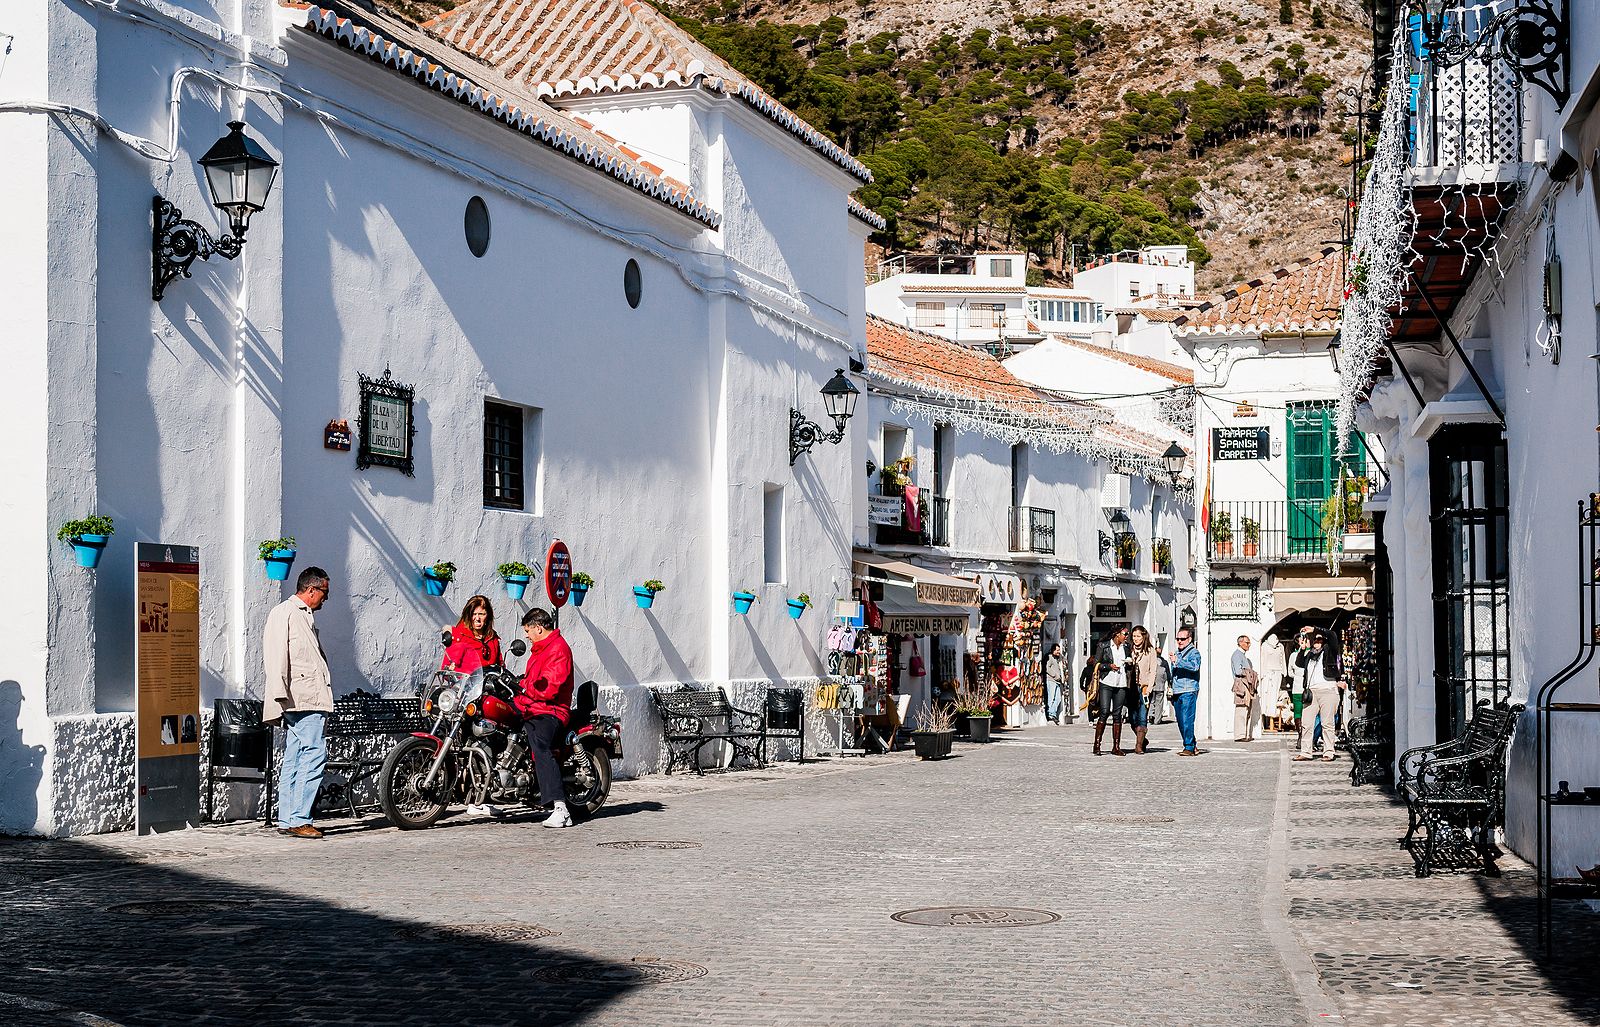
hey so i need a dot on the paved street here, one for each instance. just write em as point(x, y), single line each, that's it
point(1232, 889)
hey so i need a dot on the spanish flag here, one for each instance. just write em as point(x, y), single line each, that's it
point(1205, 503)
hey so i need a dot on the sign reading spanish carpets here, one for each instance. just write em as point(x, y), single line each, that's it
point(166, 669)
point(1239, 443)
point(558, 573)
point(387, 425)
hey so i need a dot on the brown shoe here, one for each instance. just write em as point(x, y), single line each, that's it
point(303, 831)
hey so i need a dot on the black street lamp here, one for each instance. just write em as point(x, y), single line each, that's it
point(1173, 460)
point(839, 400)
point(240, 175)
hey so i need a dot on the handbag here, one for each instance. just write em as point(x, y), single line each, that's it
point(918, 668)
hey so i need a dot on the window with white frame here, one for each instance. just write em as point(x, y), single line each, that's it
point(986, 315)
point(1000, 268)
point(1133, 290)
point(930, 314)
point(512, 465)
point(774, 545)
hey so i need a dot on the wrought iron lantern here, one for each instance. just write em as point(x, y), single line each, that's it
point(1173, 460)
point(1533, 37)
point(839, 400)
point(239, 175)
point(1333, 352)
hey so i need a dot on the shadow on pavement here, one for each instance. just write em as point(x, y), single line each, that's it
point(93, 930)
point(1568, 972)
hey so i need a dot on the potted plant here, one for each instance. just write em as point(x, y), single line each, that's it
point(897, 475)
point(88, 537)
point(435, 578)
point(743, 599)
point(581, 584)
point(645, 595)
point(972, 715)
point(798, 604)
point(934, 732)
point(1252, 535)
point(1127, 546)
point(1161, 554)
point(278, 555)
point(516, 575)
point(1222, 534)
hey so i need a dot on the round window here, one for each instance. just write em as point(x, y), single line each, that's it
point(477, 226)
point(631, 284)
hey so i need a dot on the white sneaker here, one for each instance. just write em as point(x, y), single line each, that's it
point(480, 809)
point(559, 816)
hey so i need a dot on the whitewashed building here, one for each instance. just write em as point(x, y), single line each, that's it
point(605, 332)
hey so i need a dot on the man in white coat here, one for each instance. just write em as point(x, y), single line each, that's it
point(299, 692)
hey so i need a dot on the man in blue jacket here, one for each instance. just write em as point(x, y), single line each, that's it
point(1186, 687)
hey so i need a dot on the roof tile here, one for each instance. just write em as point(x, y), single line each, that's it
point(1305, 296)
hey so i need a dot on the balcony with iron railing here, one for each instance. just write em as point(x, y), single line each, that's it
point(934, 529)
point(1273, 531)
point(1033, 530)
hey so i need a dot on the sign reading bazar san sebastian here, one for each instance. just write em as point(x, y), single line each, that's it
point(947, 595)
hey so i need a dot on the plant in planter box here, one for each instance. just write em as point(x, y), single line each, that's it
point(581, 584)
point(516, 575)
point(1252, 535)
point(798, 604)
point(436, 577)
point(743, 599)
point(972, 714)
point(88, 537)
point(1222, 533)
point(278, 555)
point(897, 475)
point(1127, 548)
point(645, 595)
point(934, 731)
point(1161, 553)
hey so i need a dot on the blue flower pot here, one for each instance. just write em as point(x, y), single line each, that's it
point(644, 597)
point(433, 583)
point(88, 549)
point(579, 593)
point(516, 585)
point(796, 608)
point(278, 564)
point(742, 602)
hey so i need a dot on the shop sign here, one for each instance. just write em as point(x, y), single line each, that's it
point(848, 611)
point(922, 624)
point(557, 573)
point(999, 588)
point(1240, 443)
point(387, 426)
point(885, 510)
point(941, 594)
point(166, 671)
point(337, 436)
point(1243, 409)
point(1234, 599)
point(1115, 609)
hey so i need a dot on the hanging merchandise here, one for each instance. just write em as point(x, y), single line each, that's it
point(1024, 638)
point(1361, 656)
point(917, 667)
point(872, 651)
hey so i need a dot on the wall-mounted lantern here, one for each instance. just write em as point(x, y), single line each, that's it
point(240, 175)
point(1173, 460)
point(839, 400)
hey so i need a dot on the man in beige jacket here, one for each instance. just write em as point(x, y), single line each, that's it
point(299, 692)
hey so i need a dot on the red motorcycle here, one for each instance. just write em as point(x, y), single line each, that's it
point(477, 753)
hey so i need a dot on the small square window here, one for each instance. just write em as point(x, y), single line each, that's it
point(1000, 268)
point(930, 315)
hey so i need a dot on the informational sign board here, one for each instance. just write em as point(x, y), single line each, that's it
point(558, 574)
point(1234, 600)
point(1250, 443)
point(885, 509)
point(167, 686)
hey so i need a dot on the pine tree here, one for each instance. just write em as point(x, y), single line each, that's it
point(1285, 12)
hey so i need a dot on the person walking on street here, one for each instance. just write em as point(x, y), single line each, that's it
point(298, 692)
point(1245, 683)
point(1057, 686)
point(1113, 671)
point(1147, 668)
point(1186, 687)
point(1325, 685)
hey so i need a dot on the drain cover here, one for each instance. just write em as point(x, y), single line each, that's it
point(475, 932)
point(643, 970)
point(976, 916)
point(649, 845)
point(179, 907)
point(1131, 821)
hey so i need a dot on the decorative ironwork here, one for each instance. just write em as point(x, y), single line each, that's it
point(805, 433)
point(388, 425)
point(1533, 38)
point(176, 242)
point(1236, 610)
point(1033, 530)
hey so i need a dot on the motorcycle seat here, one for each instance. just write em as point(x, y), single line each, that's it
point(584, 700)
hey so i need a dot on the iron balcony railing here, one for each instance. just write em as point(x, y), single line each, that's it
point(935, 531)
point(1465, 96)
point(1033, 530)
point(1161, 556)
point(1269, 531)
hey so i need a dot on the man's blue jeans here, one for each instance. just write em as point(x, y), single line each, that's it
point(304, 756)
point(1183, 705)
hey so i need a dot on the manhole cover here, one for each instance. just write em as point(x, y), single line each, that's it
point(976, 916)
point(1131, 821)
point(475, 932)
point(643, 970)
point(179, 907)
point(649, 845)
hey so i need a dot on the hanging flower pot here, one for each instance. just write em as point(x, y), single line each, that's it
point(277, 556)
point(88, 537)
point(798, 605)
point(516, 575)
point(435, 578)
point(581, 583)
point(644, 597)
point(742, 601)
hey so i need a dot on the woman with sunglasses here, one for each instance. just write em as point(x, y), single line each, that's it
point(473, 643)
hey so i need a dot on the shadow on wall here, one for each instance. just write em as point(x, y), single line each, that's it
point(21, 766)
point(157, 924)
point(768, 666)
point(816, 496)
point(669, 652)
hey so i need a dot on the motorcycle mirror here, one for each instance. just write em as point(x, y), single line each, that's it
point(518, 647)
point(445, 638)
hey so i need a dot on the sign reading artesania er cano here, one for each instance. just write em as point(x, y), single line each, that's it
point(166, 670)
point(387, 425)
point(1250, 443)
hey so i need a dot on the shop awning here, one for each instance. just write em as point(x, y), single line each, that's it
point(932, 588)
point(1293, 593)
point(903, 615)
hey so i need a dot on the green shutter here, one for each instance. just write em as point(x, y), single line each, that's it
point(1313, 471)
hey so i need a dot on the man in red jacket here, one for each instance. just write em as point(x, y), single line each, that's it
point(546, 702)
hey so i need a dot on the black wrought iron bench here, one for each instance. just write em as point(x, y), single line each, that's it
point(1456, 791)
point(783, 716)
point(1370, 741)
point(693, 718)
point(359, 735)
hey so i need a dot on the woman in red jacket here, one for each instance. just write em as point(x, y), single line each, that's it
point(473, 643)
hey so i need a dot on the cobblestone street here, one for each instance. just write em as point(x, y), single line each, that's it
point(1234, 889)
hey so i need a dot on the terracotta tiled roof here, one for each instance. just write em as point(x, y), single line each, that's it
point(1160, 315)
point(1165, 368)
point(865, 213)
point(540, 122)
point(585, 47)
point(1305, 296)
point(930, 287)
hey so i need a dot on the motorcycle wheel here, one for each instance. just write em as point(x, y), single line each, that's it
point(399, 786)
point(584, 803)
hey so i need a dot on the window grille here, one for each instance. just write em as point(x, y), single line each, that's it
point(502, 456)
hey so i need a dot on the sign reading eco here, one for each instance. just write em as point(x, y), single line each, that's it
point(1240, 443)
point(166, 671)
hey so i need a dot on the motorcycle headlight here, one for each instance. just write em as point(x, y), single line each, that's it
point(448, 700)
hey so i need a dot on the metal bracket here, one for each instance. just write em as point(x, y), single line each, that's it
point(176, 242)
point(1534, 38)
point(805, 433)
